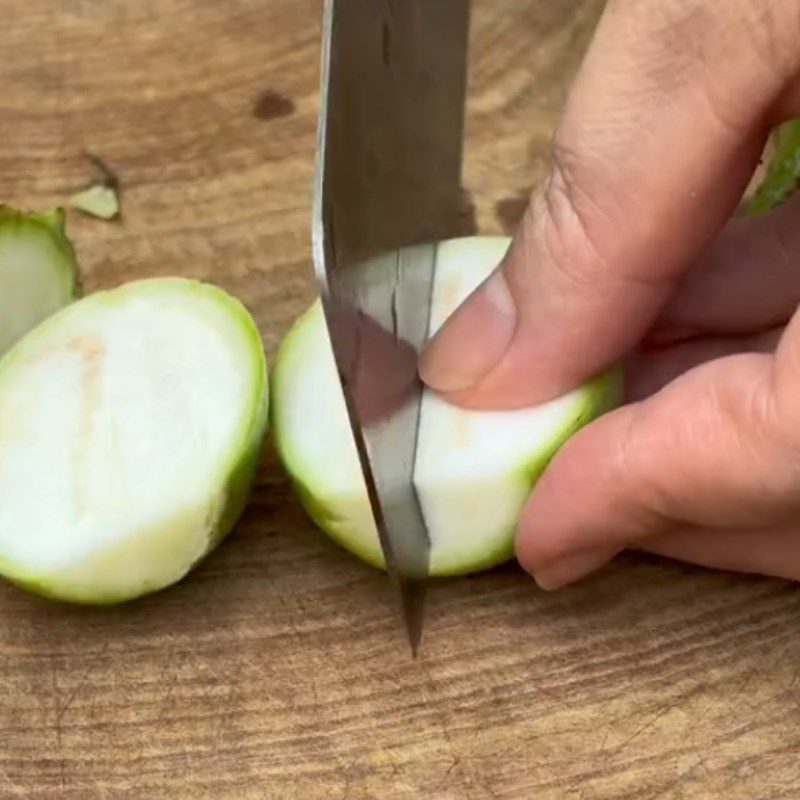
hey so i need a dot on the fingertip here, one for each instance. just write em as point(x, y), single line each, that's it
point(586, 500)
point(557, 549)
point(571, 569)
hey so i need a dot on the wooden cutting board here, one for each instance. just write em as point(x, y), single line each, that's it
point(278, 670)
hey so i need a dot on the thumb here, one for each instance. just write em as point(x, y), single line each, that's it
point(661, 134)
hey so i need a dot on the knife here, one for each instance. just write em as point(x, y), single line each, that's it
point(387, 188)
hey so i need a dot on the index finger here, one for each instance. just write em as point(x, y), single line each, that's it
point(661, 134)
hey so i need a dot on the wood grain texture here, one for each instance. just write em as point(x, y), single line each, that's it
point(278, 670)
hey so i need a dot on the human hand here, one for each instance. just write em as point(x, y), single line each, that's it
point(628, 252)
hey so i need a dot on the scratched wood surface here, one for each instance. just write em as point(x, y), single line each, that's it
point(277, 670)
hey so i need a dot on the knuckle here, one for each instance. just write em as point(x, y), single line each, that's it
point(570, 218)
point(580, 233)
point(635, 468)
point(740, 409)
point(772, 445)
point(724, 441)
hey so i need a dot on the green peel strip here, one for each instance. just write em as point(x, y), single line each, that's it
point(783, 176)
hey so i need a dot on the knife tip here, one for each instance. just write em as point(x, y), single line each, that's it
point(414, 640)
point(413, 593)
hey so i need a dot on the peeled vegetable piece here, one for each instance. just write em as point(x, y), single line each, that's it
point(130, 427)
point(99, 201)
point(38, 272)
point(474, 470)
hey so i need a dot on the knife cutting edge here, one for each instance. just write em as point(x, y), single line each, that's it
point(387, 188)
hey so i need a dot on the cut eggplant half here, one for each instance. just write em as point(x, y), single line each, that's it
point(474, 469)
point(131, 423)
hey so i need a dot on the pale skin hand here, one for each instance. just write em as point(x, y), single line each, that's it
point(629, 252)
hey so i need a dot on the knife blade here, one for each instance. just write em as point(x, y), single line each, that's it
point(387, 188)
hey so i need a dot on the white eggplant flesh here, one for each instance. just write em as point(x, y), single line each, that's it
point(131, 422)
point(474, 469)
